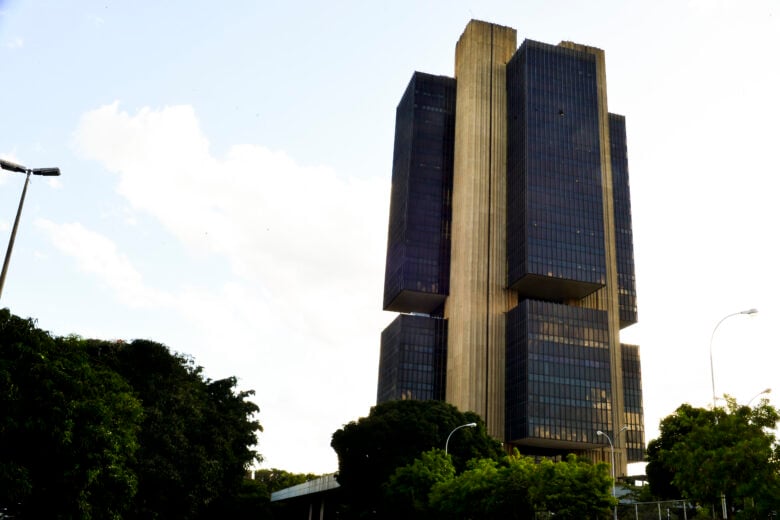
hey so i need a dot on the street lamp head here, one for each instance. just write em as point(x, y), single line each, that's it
point(12, 167)
point(749, 312)
point(599, 432)
point(762, 392)
point(467, 425)
point(46, 172)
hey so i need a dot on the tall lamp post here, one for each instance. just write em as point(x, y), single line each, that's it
point(749, 312)
point(13, 167)
point(612, 450)
point(762, 392)
point(469, 425)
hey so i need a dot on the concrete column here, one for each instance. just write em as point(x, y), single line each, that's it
point(478, 296)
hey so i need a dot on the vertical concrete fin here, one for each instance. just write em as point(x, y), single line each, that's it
point(478, 296)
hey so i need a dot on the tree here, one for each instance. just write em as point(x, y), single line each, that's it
point(68, 429)
point(253, 499)
point(573, 489)
point(392, 436)
point(273, 479)
point(488, 490)
point(472, 494)
point(674, 430)
point(728, 451)
point(408, 488)
point(97, 429)
point(518, 486)
point(195, 442)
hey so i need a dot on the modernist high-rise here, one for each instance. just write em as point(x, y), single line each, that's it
point(510, 253)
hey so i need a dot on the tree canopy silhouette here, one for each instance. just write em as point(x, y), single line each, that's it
point(100, 429)
point(702, 454)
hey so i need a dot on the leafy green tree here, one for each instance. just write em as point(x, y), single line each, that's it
point(472, 494)
point(97, 429)
point(516, 491)
point(393, 435)
point(196, 438)
point(518, 486)
point(273, 479)
point(574, 489)
point(253, 499)
point(408, 488)
point(674, 430)
point(488, 490)
point(729, 451)
point(68, 429)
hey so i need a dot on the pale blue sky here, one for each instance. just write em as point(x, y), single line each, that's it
point(226, 173)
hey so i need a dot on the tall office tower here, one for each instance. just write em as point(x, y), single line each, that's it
point(510, 254)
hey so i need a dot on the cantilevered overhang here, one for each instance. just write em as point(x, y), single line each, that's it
point(415, 301)
point(548, 288)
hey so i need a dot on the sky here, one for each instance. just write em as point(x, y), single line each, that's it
point(226, 174)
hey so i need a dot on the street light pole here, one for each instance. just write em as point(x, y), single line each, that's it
point(612, 450)
point(13, 167)
point(762, 392)
point(749, 312)
point(469, 425)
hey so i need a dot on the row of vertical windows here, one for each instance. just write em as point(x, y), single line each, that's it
point(558, 371)
point(623, 227)
point(412, 359)
point(541, 430)
point(632, 403)
point(554, 196)
point(420, 207)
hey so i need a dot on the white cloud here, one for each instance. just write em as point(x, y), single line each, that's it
point(96, 20)
point(304, 299)
point(14, 43)
point(305, 234)
point(99, 256)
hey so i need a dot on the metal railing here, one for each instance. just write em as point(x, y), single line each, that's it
point(661, 510)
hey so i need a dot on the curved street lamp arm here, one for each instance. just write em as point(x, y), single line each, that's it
point(749, 312)
point(468, 425)
point(762, 392)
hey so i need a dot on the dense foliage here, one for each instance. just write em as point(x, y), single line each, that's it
point(573, 489)
point(408, 488)
point(274, 479)
point(96, 429)
point(702, 454)
point(68, 428)
point(393, 435)
point(392, 465)
point(253, 500)
point(513, 488)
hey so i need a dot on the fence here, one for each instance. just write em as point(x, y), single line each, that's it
point(663, 510)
